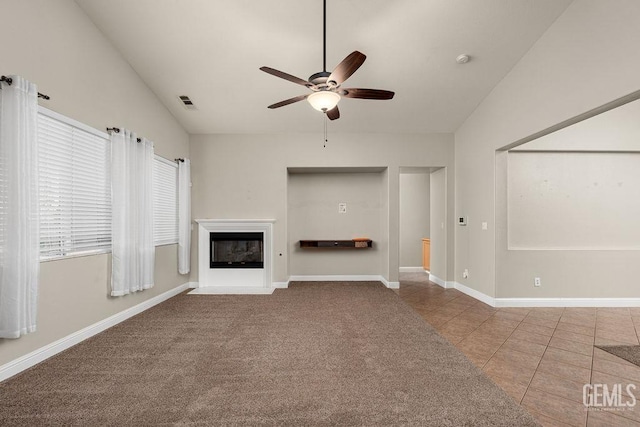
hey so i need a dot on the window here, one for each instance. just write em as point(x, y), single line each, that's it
point(165, 201)
point(75, 188)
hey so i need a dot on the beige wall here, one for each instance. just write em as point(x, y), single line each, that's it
point(573, 200)
point(313, 215)
point(440, 225)
point(245, 176)
point(614, 130)
point(580, 63)
point(53, 44)
point(414, 215)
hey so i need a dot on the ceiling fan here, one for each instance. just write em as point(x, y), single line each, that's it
point(326, 87)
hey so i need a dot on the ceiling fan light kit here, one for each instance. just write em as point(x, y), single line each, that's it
point(323, 100)
point(325, 86)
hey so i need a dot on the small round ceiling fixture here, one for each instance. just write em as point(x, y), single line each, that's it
point(463, 59)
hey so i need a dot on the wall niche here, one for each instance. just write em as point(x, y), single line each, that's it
point(337, 204)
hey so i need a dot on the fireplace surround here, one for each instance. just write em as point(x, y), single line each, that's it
point(234, 256)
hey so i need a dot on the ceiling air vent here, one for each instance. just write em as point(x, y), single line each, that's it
point(188, 104)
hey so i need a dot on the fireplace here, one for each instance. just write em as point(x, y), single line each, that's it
point(235, 256)
point(236, 250)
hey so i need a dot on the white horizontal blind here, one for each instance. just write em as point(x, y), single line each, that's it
point(165, 201)
point(75, 188)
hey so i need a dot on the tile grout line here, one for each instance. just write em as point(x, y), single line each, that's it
point(525, 391)
point(538, 366)
point(593, 358)
point(536, 371)
point(590, 371)
point(479, 325)
point(634, 326)
point(506, 339)
point(456, 315)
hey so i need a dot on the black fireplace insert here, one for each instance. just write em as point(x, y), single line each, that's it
point(236, 250)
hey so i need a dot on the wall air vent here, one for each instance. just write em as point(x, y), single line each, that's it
point(188, 104)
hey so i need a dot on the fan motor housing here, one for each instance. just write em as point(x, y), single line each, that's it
point(320, 79)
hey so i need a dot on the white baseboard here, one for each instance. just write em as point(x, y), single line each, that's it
point(475, 294)
point(336, 278)
point(547, 302)
point(390, 285)
point(567, 302)
point(438, 281)
point(275, 285)
point(346, 278)
point(412, 270)
point(231, 290)
point(28, 360)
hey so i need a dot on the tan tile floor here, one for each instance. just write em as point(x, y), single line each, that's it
point(542, 357)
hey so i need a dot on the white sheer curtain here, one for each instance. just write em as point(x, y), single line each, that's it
point(19, 208)
point(184, 216)
point(133, 249)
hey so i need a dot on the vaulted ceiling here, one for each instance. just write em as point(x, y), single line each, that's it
point(211, 51)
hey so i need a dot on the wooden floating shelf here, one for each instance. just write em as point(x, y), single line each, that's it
point(336, 244)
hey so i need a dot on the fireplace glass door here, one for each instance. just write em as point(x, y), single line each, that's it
point(237, 250)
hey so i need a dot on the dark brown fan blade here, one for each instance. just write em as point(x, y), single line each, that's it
point(367, 93)
point(334, 113)
point(286, 76)
point(287, 101)
point(347, 67)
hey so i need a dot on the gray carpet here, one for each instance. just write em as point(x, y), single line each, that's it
point(314, 354)
point(630, 353)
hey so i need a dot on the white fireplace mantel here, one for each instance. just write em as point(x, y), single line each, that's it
point(215, 222)
point(236, 280)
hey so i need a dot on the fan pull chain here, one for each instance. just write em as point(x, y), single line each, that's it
point(325, 130)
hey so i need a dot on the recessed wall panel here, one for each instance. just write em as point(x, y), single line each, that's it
point(573, 200)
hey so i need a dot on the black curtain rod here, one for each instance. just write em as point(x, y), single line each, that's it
point(117, 130)
point(178, 160)
point(9, 80)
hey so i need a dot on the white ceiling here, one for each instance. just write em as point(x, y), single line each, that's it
point(211, 50)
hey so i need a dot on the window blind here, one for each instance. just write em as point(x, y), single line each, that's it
point(165, 201)
point(75, 188)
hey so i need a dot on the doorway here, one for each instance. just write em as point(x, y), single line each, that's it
point(415, 223)
point(423, 223)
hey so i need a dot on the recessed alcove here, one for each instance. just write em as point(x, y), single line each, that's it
point(314, 199)
point(567, 204)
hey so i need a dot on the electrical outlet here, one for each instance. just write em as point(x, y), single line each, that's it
point(465, 274)
point(537, 282)
point(342, 208)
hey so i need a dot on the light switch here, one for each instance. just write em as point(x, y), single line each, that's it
point(342, 208)
point(485, 226)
